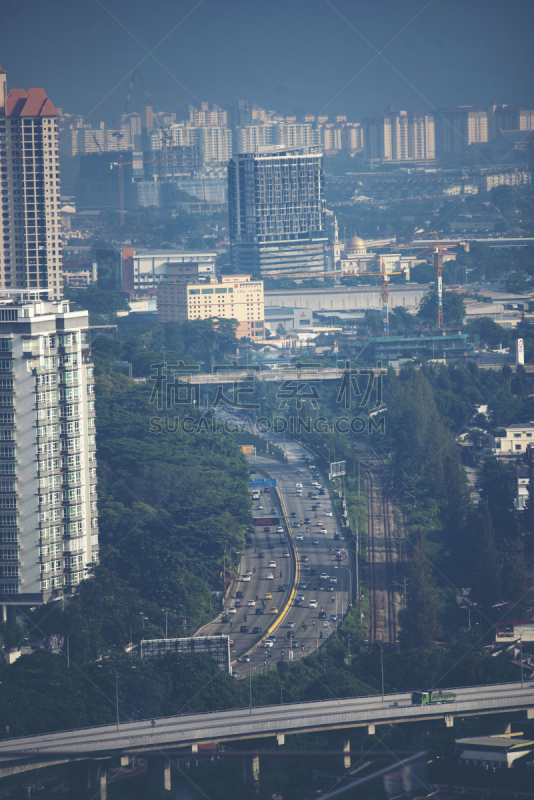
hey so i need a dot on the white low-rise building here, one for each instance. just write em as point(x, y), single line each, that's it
point(494, 751)
point(514, 439)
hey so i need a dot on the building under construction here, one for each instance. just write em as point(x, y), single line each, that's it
point(440, 344)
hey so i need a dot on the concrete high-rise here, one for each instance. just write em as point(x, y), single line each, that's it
point(48, 500)
point(276, 207)
point(30, 244)
point(398, 136)
point(457, 128)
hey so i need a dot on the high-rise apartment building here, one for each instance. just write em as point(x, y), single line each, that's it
point(514, 118)
point(205, 117)
point(293, 134)
point(250, 137)
point(215, 145)
point(277, 218)
point(48, 500)
point(399, 136)
point(457, 128)
point(30, 241)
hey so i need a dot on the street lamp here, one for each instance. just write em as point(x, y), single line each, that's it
point(381, 665)
point(142, 613)
point(68, 650)
point(116, 691)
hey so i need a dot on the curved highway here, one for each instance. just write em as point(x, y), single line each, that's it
point(322, 593)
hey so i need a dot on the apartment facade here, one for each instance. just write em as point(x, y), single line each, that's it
point(143, 270)
point(457, 128)
point(276, 208)
point(48, 496)
point(30, 244)
point(398, 136)
point(215, 144)
point(224, 297)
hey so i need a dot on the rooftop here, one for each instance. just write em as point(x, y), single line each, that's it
point(496, 743)
point(33, 103)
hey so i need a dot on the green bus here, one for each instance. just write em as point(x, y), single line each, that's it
point(432, 698)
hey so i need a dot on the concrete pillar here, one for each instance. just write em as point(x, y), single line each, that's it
point(252, 770)
point(529, 713)
point(159, 773)
point(449, 721)
point(371, 730)
point(79, 780)
point(346, 758)
point(4, 613)
point(280, 738)
point(194, 748)
point(507, 727)
point(98, 782)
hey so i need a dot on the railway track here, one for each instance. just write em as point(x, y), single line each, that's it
point(382, 555)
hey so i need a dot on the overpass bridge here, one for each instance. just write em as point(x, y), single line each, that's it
point(174, 737)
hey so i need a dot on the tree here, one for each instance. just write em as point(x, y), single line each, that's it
point(486, 569)
point(419, 620)
point(453, 309)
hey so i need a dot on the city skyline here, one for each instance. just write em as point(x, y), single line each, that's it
point(339, 62)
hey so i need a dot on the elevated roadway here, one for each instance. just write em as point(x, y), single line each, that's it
point(174, 733)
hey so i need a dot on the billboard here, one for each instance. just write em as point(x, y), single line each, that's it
point(520, 353)
point(267, 521)
point(218, 647)
point(337, 468)
point(247, 449)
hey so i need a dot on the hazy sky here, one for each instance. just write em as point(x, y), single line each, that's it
point(294, 56)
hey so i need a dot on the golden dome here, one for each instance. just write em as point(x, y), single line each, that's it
point(355, 241)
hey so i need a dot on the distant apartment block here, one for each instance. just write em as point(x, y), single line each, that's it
point(215, 145)
point(144, 270)
point(30, 241)
point(398, 136)
point(251, 137)
point(515, 118)
point(224, 297)
point(48, 490)
point(515, 178)
point(293, 134)
point(457, 128)
point(277, 219)
point(205, 117)
point(514, 439)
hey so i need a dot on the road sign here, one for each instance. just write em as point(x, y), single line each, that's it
point(256, 482)
point(247, 449)
point(270, 482)
point(337, 468)
point(267, 521)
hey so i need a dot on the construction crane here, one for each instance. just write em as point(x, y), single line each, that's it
point(121, 164)
point(97, 144)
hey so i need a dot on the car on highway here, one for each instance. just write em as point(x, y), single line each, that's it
point(238, 604)
point(337, 537)
point(256, 629)
point(295, 644)
point(282, 587)
point(313, 603)
point(314, 497)
point(266, 529)
point(322, 491)
point(333, 617)
point(231, 610)
point(296, 524)
point(274, 511)
point(269, 576)
point(307, 520)
point(299, 537)
point(337, 551)
point(315, 541)
point(303, 585)
point(267, 644)
point(239, 595)
point(293, 514)
point(271, 546)
point(261, 555)
point(339, 558)
point(245, 578)
point(231, 643)
point(328, 513)
point(259, 612)
point(285, 555)
point(300, 597)
point(279, 529)
point(324, 576)
point(332, 579)
point(318, 524)
point(321, 615)
point(260, 507)
point(246, 658)
point(305, 559)
point(225, 618)
point(244, 629)
point(271, 638)
point(251, 603)
point(290, 624)
point(273, 610)
point(272, 563)
point(268, 596)
point(323, 530)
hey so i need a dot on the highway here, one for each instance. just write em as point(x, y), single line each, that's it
point(246, 723)
point(316, 556)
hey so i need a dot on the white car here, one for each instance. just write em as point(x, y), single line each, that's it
point(286, 555)
point(323, 530)
point(260, 508)
point(290, 624)
point(251, 603)
point(272, 563)
point(328, 513)
point(231, 610)
point(269, 576)
point(279, 529)
point(245, 578)
point(323, 576)
point(299, 537)
point(332, 580)
point(313, 603)
point(268, 644)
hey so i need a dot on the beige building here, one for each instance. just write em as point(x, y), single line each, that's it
point(223, 297)
point(514, 439)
